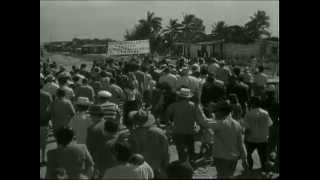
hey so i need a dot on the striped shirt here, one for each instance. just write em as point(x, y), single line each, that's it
point(111, 111)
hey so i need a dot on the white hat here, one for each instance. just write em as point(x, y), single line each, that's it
point(104, 94)
point(83, 101)
point(185, 92)
point(80, 76)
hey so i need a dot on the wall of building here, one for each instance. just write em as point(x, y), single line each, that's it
point(240, 51)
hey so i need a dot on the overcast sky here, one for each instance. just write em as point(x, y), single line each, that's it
point(64, 20)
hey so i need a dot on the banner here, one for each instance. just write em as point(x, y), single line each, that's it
point(128, 47)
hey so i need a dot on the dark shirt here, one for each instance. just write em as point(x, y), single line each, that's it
point(45, 102)
point(212, 92)
point(272, 107)
point(183, 115)
point(241, 90)
point(152, 143)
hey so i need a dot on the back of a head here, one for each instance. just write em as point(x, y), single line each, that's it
point(122, 151)
point(64, 136)
point(63, 80)
point(233, 98)
point(260, 69)
point(76, 78)
point(255, 101)
point(180, 170)
point(224, 107)
point(61, 93)
point(111, 126)
point(237, 71)
point(85, 81)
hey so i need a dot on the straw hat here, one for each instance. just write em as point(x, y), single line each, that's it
point(185, 93)
point(83, 101)
point(104, 94)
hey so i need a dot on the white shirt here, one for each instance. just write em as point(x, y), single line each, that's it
point(69, 92)
point(257, 121)
point(51, 88)
point(261, 79)
point(129, 171)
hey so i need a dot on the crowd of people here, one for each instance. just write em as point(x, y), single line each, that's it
point(117, 120)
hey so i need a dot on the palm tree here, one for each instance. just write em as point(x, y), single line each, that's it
point(152, 23)
point(220, 29)
point(258, 25)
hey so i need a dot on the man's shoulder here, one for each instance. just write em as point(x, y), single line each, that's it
point(263, 111)
point(45, 94)
point(219, 82)
point(156, 130)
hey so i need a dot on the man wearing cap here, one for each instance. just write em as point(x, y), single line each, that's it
point(182, 115)
point(95, 135)
point(229, 146)
point(62, 110)
point(85, 90)
point(81, 121)
point(169, 78)
point(111, 110)
point(150, 141)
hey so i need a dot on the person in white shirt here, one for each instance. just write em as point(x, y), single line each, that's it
point(125, 169)
point(188, 81)
point(229, 145)
point(257, 122)
point(213, 67)
point(51, 86)
point(169, 78)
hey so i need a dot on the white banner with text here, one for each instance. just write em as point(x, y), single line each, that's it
point(128, 47)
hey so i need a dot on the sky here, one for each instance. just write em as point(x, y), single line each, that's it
point(64, 20)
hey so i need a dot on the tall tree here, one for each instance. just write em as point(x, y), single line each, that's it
point(148, 28)
point(220, 29)
point(258, 25)
point(192, 26)
point(171, 32)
